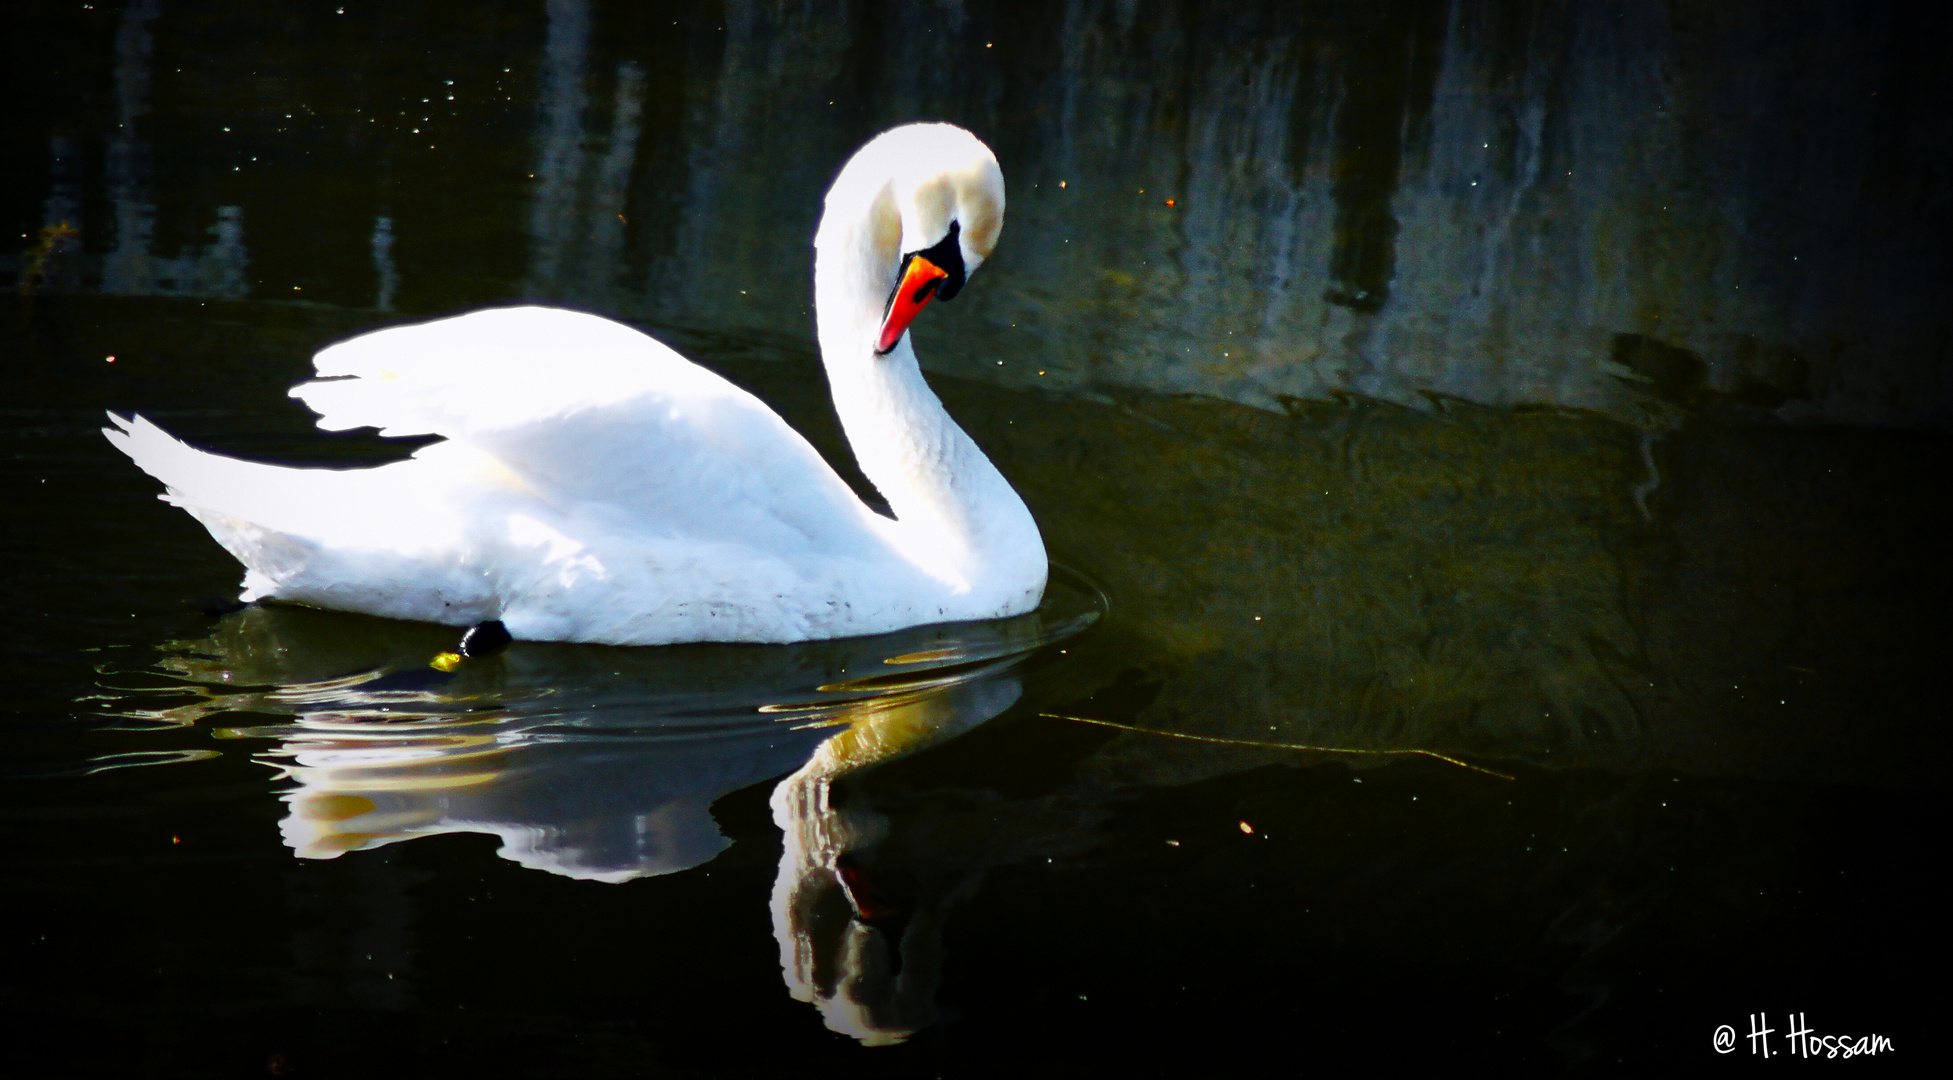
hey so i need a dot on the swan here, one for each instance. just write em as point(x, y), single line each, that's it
point(592, 485)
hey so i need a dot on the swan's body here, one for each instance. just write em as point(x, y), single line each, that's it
point(594, 485)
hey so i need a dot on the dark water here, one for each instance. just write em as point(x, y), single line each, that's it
point(1501, 504)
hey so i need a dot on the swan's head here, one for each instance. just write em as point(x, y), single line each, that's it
point(938, 205)
point(950, 195)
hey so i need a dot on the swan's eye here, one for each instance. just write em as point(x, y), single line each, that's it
point(935, 272)
point(946, 253)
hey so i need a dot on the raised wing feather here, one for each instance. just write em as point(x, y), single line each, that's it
point(595, 419)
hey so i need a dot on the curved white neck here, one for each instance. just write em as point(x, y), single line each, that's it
point(956, 511)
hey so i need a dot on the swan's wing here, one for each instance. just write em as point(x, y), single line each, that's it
point(493, 371)
point(594, 419)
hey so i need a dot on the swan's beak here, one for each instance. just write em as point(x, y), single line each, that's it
point(920, 279)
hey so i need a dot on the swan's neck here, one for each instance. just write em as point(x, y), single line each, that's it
point(952, 505)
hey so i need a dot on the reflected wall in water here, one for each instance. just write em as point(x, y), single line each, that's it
point(1530, 587)
point(1625, 209)
point(388, 275)
point(130, 267)
point(577, 223)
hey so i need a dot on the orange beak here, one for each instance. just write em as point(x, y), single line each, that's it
point(918, 287)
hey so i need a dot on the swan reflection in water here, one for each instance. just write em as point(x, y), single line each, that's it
point(602, 764)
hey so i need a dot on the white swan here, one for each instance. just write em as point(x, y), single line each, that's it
point(593, 485)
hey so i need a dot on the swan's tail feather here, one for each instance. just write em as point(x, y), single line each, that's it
point(195, 479)
point(382, 539)
point(182, 469)
point(238, 501)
